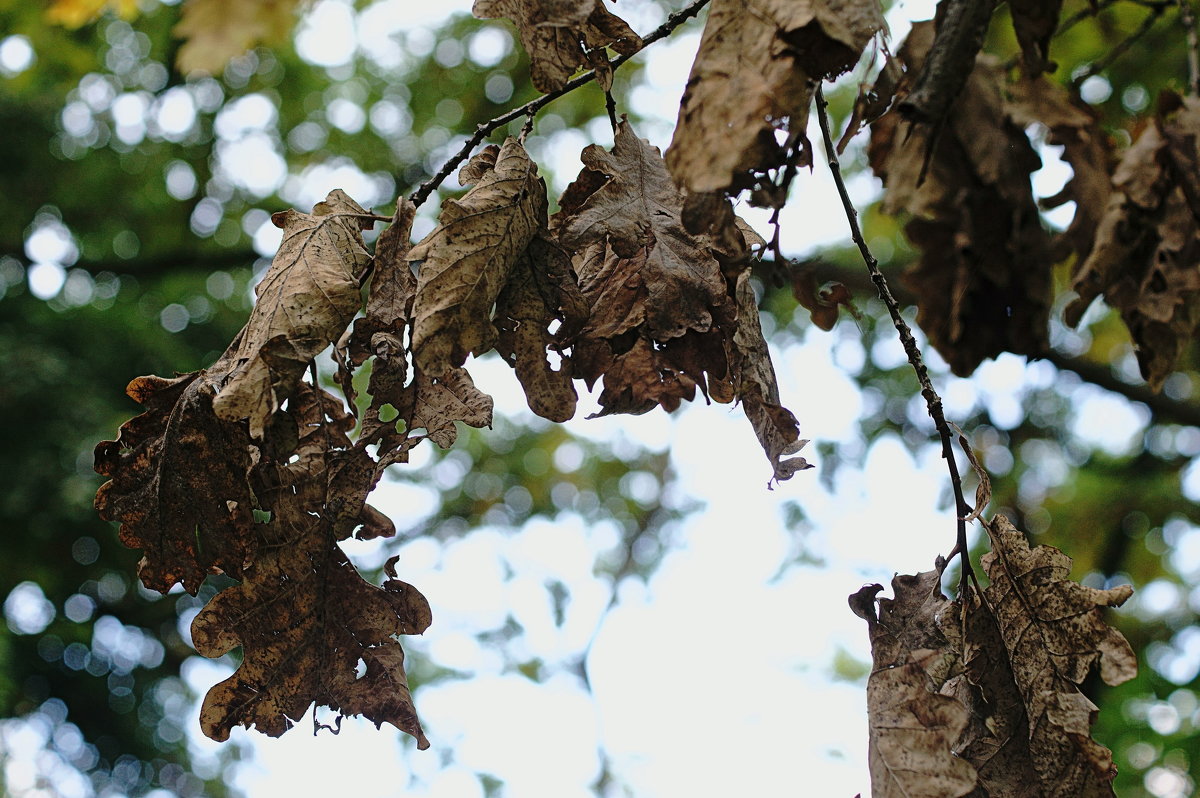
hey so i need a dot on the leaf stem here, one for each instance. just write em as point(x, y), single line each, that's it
point(1187, 18)
point(933, 402)
point(485, 129)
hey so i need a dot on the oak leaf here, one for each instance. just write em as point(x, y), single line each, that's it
point(1054, 635)
point(775, 426)
point(305, 619)
point(529, 303)
point(625, 198)
point(434, 404)
point(562, 36)
point(983, 281)
point(305, 301)
point(751, 79)
point(214, 31)
point(178, 484)
point(1146, 261)
point(466, 260)
point(1074, 126)
point(913, 728)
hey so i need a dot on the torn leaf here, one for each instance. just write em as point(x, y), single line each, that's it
point(178, 484)
point(305, 301)
point(563, 37)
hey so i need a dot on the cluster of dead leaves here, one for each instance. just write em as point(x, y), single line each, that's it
point(1145, 259)
point(983, 279)
point(981, 696)
point(612, 289)
point(246, 469)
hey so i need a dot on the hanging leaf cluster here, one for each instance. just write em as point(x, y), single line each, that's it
point(250, 469)
point(956, 158)
point(980, 696)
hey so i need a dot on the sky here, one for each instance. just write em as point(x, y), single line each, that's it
point(714, 677)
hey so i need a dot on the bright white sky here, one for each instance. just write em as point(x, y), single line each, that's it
point(715, 677)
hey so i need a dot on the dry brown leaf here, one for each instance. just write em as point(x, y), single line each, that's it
point(751, 79)
point(983, 280)
point(913, 728)
point(305, 301)
point(393, 286)
point(178, 484)
point(305, 620)
point(758, 390)
point(1054, 635)
point(527, 305)
point(822, 303)
point(664, 319)
point(214, 31)
point(466, 260)
point(1146, 259)
point(434, 404)
point(563, 37)
point(1035, 22)
point(311, 629)
point(625, 198)
point(997, 739)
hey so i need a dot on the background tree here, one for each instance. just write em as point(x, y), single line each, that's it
point(137, 241)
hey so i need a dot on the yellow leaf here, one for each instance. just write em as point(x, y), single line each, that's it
point(77, 13)
point(215, 31)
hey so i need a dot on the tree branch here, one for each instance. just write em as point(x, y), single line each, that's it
point(933, 402)
point(530, 108)
point(1163, 408)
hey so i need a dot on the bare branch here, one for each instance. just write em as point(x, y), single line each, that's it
point(933, 402)
point(530, 108)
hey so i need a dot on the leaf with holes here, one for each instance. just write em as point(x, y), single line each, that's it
point(466, 260)
point(178, 484)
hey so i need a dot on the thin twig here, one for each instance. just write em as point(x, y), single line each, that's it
point(933, 402)
point(530, 108)
point(1188, 19)
point(1163, 408)
point(1120, 47)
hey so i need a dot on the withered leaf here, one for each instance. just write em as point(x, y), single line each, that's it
point(1035, 22)
point(393, 286)
point(997, 739)
point(751, 78)
point(305, 301)
point(625, 198)
point(1074, 126)
point(178, 484)
point(466, 260)
point(562, 36)
point(983, 279)
point(1054, 635)
point(774, 424)
point(913, 728)
point(435, 403)
point(527, 305)
point(1146, 259)
point(305, 619)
